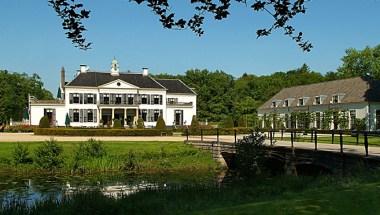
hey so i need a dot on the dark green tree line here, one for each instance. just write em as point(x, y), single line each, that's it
point(14, 90)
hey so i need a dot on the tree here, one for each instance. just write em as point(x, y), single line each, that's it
point(160, 123)
point(228, 122)
point(44, 122)
point(194, 123)
point(282, 12)
point(14, 91)
point(67, 120)
point(361, 62)
point(140, 123)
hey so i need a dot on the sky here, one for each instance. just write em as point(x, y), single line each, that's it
point(32, 39)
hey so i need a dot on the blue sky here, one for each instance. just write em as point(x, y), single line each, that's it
point(32, 40)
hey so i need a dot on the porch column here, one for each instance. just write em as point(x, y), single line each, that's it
point(125, 117)
point(112, 115)
point(137, 113)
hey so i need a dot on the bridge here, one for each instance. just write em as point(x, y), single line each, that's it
point(292, 157)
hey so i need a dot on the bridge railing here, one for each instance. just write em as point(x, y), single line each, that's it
point(291, 136)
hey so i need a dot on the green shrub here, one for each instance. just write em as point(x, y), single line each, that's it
point(360, 125)
point(140, 123)
point(21, 154)
point(228, 122)
point(48, 155)
point(194, 124)
point(94, 148)
point(44, 122)
point(117, 123)
point(131, 163)
point(160, 123)
point(100, 132)
point(20, 128)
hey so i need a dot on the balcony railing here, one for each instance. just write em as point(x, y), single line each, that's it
point(179, 103)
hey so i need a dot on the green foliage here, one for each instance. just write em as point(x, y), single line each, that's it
point(242, 122)
point(21, 154)
point(343, 120)
point(12, 104)
point(360, 62)
point(20, 128)
point(44, 122)
point(250, 154)
point(327, 119)
point(130, 163)
point(194, 123)
point(117, 123)
point(67, 120)
point(100, 132)
point(140, 123)
point(91, 149)
point(160, 125)
point(360, 124)
point(49, 155)
point(228, 122)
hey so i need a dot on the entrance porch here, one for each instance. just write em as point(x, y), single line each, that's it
point(127, 116)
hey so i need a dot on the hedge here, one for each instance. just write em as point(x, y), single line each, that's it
point(101, 132)
point(222, 131)
point(20, 129)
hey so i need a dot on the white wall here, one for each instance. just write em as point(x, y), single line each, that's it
point(188, 111)
point(37, 112)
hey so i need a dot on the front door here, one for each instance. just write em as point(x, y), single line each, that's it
point(178, 117)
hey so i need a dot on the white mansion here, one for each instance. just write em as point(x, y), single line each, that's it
point(94, 98)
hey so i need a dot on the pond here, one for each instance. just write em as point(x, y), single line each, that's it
point(31, 189)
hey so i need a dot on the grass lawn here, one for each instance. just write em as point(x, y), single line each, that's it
point(146, 156)
point(347, 140)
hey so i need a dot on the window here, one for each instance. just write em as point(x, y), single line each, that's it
point(352, 118)
point(118, 99)
point(76, 99)
point(130, 99)
point(90, 116)
point(286, 103)
point(317, 100)
point(156, 115)
point(300, 102)
point(106, 99)
point(90, 99)
point(172, 100)
point(156, 99)
point(335, 99)
point(144, 99)
point(318, 120)
point(377, 119)
point(144, 114)
point(274, 104)
point(75, 115)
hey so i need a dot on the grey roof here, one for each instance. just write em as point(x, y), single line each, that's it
point(95, 79)
point(354, 90)
point(175, 86)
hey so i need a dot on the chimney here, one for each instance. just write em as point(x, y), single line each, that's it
point(145, 71)
point(83, 68)
point(62, 77)
point(62, 83)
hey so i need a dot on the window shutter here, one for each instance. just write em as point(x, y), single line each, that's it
point(95, 115)
point(95, 99)
point(71, 98)
point(149, 100)
point(81, 115)
point(71, 115)
point(80, 98)
point(160, 99)
point(85, 115)
point(161, 113)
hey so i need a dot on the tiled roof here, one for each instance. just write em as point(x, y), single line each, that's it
point(175, 86)
point(95, 79)
point(352, 90)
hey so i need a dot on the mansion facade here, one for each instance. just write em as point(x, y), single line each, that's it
point(357, 98)
point(94, 99)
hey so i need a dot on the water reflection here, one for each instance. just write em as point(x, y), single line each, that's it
point(41, 187)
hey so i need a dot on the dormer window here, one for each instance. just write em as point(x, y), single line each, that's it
point(274, 104)
point(335, 99)
point(301, 102)
point(317, 100)
point(286, 103)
